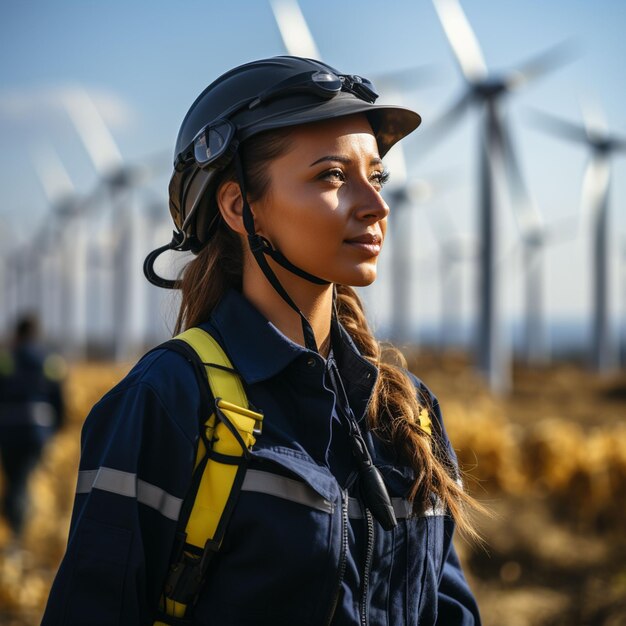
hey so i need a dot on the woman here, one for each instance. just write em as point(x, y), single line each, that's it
point(277, 190)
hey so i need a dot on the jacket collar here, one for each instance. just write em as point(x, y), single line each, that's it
point(258, 350)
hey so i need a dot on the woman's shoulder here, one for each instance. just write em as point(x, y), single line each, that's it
point(162, 384)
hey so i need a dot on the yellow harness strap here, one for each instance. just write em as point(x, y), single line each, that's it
point(231, 430)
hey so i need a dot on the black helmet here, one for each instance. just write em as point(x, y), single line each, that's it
point(258, 96)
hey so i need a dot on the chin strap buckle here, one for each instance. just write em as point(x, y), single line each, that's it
point(258, 243)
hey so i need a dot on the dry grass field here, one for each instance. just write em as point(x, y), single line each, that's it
point(549, 461)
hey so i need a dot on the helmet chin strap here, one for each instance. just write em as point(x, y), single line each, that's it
point(260, 247)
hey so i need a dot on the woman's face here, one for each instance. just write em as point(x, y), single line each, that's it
point(324, 210)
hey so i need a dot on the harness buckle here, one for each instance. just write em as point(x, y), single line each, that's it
point(186, 575)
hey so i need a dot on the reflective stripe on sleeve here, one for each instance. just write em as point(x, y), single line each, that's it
point(285, 488)
point(401, 507)
point(128, 485)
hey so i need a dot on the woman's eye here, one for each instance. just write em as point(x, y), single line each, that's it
point(334, 175)
point(380, 179)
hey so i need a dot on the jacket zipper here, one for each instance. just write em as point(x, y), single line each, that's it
point(367, 568)
point(343, 557)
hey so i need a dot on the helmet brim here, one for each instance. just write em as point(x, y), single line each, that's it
point(389, 123)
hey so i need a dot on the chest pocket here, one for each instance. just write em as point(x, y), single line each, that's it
point(282, 546)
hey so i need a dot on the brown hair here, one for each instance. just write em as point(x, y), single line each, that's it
point(395, 408)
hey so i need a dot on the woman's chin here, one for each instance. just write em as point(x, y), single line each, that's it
point(361, 279)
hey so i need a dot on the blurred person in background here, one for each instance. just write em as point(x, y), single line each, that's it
point(31, 410)
point(355, 490)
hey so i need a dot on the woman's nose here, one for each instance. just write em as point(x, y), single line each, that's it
point(371, 205)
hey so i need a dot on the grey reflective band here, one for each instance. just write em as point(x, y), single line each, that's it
point(401, 507)
point(108, 479)
point(128, 485)
point(156, 498)
point(285, 488)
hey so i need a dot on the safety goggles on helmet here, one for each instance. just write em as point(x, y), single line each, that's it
point(214, 144)
point(321, 83)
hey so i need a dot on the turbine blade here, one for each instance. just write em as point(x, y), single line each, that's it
point(404, 79)
point(526, 213)
point(557, 126)
point(543, 63)
point(93, 131)
point(432, 132)
point(295, 33)
point(55, 181)
point(462, 40)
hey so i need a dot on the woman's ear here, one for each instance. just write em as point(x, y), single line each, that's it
point(230, 203)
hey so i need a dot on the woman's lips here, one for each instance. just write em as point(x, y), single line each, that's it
point(369, 243)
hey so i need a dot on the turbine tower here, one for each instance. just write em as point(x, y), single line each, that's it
point(495, 151)
point(602, 144)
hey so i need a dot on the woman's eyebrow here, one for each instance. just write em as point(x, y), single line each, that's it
point(332, 157)
point(344, 159)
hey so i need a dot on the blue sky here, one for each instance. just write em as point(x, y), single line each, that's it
point(145, 62)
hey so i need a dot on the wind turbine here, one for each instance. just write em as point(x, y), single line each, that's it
point(107, 161)
point(602, 144)
point(61, 249)
point(117, 180)
point(486, 91)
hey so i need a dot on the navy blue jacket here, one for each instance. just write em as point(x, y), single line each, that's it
point(300, 547)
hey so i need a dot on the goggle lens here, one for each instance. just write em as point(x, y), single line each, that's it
point(327, 82)
point(212, 142)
